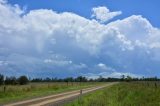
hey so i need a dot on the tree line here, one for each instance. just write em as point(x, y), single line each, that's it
point(12, 80)
point(22, 80)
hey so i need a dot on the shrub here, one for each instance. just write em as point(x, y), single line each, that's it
point(23, 80)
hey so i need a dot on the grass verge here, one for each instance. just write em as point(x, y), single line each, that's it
point(122, 94)
point(17, 93)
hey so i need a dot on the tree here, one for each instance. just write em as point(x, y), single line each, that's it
point(101, 79)
point(47, 79)
point(128, 79)
point(11, 80)
point(69, 79)
point(81, 79)
point(23, 80)
point(1, 79)
point(122, 77)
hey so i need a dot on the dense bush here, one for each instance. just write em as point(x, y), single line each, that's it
point(23, 80)
point(11, 80)
point(1, 79)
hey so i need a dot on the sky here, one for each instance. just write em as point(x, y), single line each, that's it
point(106, 38)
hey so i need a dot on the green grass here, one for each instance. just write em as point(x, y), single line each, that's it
point(22, 92)
point(122, 94)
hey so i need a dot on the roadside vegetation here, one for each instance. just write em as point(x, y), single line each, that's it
point(143, 93)
point(20, 88)
point(22, 92)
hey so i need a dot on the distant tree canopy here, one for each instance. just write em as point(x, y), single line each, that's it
point(1, 79)
point(22, 80)
point(81, 79)
point(11, 80)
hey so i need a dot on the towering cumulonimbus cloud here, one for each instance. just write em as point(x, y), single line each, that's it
point(47, 43)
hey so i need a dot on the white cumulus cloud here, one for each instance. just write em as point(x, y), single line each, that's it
point(104, 14)
point(44, 41)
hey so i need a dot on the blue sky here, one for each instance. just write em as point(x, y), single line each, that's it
point(90, 38)
point(146, 8)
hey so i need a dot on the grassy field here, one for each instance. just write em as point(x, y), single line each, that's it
point(20, 92)
point(123, 94)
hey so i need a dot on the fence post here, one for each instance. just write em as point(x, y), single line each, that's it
point(80, 97)
point(4, 88)
point(155, 85)
point(81, 92)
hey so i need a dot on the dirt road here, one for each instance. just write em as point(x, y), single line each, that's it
point(51, 100)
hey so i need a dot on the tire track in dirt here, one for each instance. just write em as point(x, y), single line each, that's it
point(48, 100)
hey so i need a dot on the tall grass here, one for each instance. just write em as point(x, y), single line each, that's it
point(123, 94)
point(20, 92)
